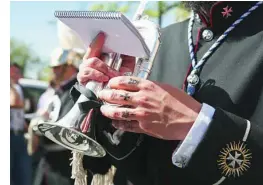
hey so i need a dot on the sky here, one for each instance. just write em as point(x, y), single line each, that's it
point(30, 22)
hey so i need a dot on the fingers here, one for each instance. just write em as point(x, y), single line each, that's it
point(91, 74)
point(130, 83)
point(95, 69)
point(95, 47)
point(129, 126)
point(119, 97)
point(125, 82)
point(120, 113)
point(132, 126)
point(91, 58)
point(99, 65)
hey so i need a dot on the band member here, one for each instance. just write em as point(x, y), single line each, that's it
point(45, 99)
point(20, 161)
point(57, 169)
point(202, 107)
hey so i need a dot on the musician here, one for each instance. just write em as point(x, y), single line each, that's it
point(201, 110)
point(64, 64)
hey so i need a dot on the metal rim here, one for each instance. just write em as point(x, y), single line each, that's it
point(102, 152)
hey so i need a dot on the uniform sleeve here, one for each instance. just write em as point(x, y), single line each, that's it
point(231, 150)
point(188, 146)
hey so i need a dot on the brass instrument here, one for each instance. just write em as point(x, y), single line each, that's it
point(66, 131)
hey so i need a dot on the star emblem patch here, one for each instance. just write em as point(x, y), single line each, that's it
point(227, 11)
point(234, 159)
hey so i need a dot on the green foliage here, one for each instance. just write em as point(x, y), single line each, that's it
point(21, 54)
point(97, 7)
point(112, 6)
point(159, 9)
point(152, 13)
point(124, 9)
point(181, 14)
point(162, 8)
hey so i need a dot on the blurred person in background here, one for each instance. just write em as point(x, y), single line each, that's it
point(20, 161)
point(15, 73)
point(45, 99)
point(55, 167)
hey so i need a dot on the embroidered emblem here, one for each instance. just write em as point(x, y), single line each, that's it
point(227, 11)
point(234, 160)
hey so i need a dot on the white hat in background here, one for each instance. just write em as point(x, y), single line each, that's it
point(59, 56)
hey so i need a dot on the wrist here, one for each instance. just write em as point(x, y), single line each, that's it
point(193, 115)
point(196, 108)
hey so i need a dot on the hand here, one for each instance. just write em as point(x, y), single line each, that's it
point(94, 68)
point(159, 110)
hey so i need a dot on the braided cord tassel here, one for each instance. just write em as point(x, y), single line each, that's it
point(78, 172)
point(190, 39)
point(106, 179)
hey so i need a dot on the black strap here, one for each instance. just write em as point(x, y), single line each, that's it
point(92, 103)
point(86, 92)
point(87, 105)
point(74, 93)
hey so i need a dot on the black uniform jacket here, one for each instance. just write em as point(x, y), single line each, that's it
point(60, 160)
point(231, 82)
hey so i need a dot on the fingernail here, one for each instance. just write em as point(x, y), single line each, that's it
point(100, 34)
point(96, 45)
point(104, 108)
point(102, 92)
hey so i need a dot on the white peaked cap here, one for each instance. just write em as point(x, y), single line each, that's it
point(59, 57)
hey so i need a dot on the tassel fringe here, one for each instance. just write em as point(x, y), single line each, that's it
point(106, 179)
point(80, 174)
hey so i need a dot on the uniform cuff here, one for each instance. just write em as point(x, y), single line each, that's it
point(183, 153)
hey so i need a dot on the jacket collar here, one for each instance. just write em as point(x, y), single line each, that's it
point(223, 13)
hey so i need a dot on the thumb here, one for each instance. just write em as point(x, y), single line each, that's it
point(95, 47)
